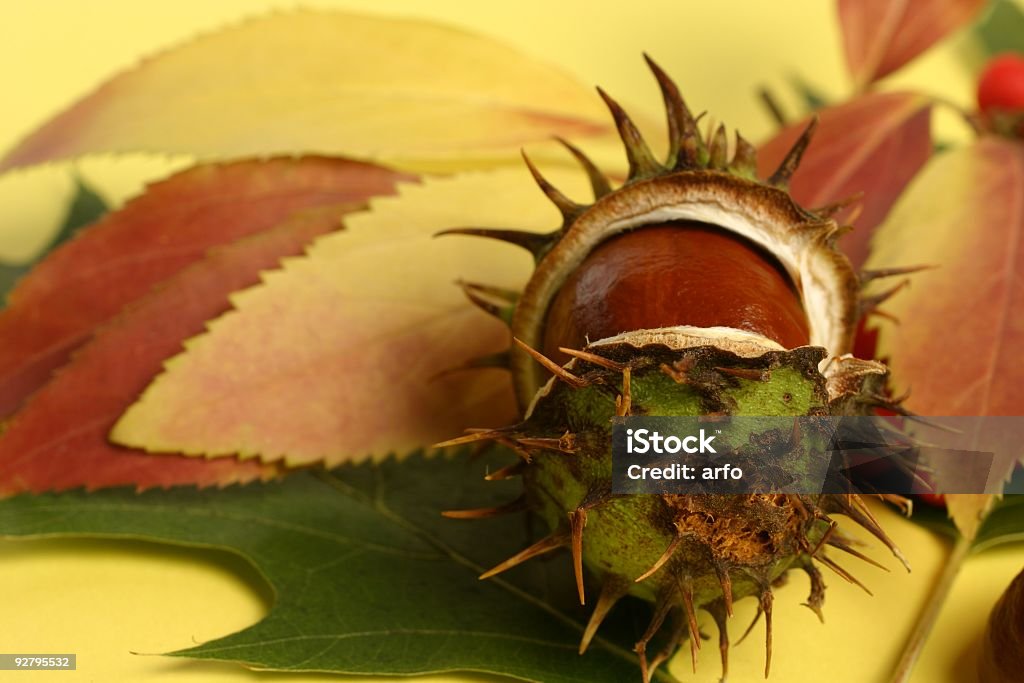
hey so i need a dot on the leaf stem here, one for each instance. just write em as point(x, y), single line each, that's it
point(930, 614)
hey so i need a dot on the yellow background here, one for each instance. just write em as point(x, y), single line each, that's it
point(106, 600)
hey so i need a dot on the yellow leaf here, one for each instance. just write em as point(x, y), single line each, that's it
point(968, 511)
point(341, 354)
point(331, 82)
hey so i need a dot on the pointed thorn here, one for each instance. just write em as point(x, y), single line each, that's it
point(830, 210)
point(567, 207)
point(508, 442)
point(906, 505)
point(563, 444)
point(840, 544)
point(871, 303)
point(686, 591)
point(494, 301)
point(770, 103)
point(854, 508)
point(486, 435)
point(726, 582)
point(665, 556)
point(593, 358)
point(718, 150)
point(611, 592)
point(744, 159)
point(682, 128)
point(552, 367)
point(879, 313)
point(578, 520)
point(718, 613)
point(541, 547)
point(828, 562)
point(537, 243)
point(507, 472)
point(598, 182)
point(867, 276)
point(817, 595)
point(624, 401)
point(517, 505)
point(642, 163)
point(832, 525)
point(789, 165)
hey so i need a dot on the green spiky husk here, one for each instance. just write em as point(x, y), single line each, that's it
point(753, 539)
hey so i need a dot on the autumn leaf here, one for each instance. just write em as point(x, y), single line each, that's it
point(960, 330)
point(418, 607)
point(58, 441)
point(333, 82)
point(344, 353)
point(880, 36)
point(92, 277)
point(873, 145)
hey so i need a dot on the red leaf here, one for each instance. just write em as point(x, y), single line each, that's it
point(59, 439)
point(90, 278)
point(872, 145)
point(880, 36)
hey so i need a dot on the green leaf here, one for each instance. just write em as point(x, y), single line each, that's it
point(369, 578)
point(1004, 524)
point(86, 207)
point(1002, 29)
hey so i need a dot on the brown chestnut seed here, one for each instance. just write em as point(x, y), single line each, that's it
point(680, 273)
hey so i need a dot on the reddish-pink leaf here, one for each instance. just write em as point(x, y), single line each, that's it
point(58, 440)
point(880, 36)
point(92, 277)
point(346, 353)
point(872, 145)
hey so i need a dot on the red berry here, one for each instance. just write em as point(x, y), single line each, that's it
point(1002, 84)
point(934, 499)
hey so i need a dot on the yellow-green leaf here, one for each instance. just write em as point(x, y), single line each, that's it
point(968, 511)
point(341, 354)
point(329, 82)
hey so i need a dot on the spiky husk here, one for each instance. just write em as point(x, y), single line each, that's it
point(680, 552)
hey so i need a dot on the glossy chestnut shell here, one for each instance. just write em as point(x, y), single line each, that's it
point(679, 273)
